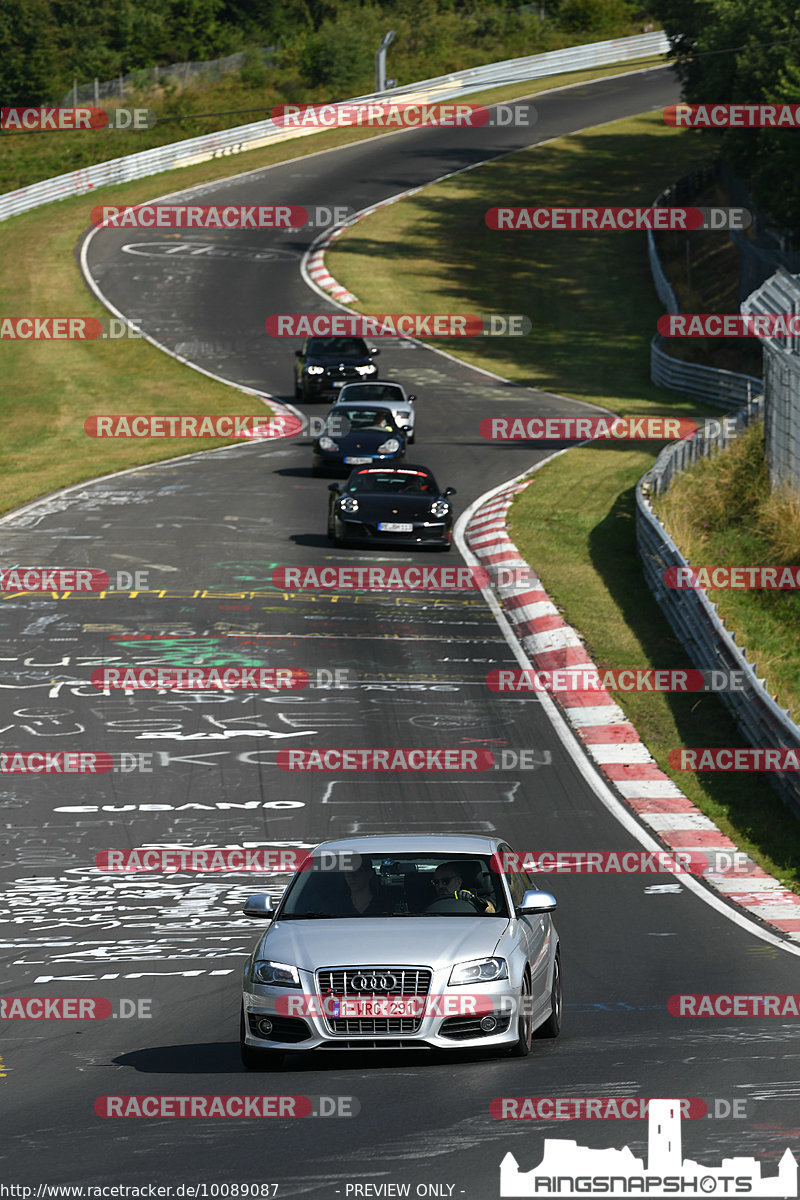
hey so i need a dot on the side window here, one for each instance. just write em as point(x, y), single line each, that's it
point(516, 886)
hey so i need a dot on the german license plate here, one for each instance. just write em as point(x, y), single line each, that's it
point(394, 527)
point(378, 1006)
point(357, 462)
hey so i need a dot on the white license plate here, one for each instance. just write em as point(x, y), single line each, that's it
point(338, 382)
point(357, 462)
point(376, 1006)
point(394, 527)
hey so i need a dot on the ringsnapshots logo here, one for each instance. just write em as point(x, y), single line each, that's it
point(201, 425)
point(569, 1170)
point(622, 220)
point(380, 325)
point(57, 119)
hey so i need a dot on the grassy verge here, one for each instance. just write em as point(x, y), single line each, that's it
point(49, 389)
point(593, 308)
point(722, 511)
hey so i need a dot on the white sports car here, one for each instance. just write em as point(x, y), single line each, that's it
point(389, 395)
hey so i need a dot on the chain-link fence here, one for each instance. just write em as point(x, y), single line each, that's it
point(174, 75)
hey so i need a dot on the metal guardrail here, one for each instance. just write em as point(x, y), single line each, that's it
point(690, 613)
point(712, 384)
point(710, 646)
point(263, 133)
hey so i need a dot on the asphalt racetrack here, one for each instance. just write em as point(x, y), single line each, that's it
point(200, 769)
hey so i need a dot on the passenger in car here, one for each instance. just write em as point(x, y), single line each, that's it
point(365, 894)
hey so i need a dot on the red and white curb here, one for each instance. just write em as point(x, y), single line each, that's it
point(316, 269)
point(607, 735)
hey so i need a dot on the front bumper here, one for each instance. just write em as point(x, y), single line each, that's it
point(434, 533)
point(438, 1030)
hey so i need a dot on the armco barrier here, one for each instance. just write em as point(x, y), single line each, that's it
point(265, 133)
point(693, 617)
point(709, 644)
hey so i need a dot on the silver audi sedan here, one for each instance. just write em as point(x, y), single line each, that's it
point(389, 943)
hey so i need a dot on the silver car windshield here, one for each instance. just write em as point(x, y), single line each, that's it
point(405, 885)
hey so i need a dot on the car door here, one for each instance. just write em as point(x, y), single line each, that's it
point(535, 932)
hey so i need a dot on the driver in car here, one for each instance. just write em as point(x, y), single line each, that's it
point(448, 883)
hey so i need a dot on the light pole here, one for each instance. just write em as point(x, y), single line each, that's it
point(380, 61)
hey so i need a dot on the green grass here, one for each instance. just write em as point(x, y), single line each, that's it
point(593, 307)
point(722, 511)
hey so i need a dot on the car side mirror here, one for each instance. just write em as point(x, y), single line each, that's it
point(298, 353)
point(536, 902)
point(450, 491)
point(259, 906)
point(411, 398)
point(373, 350)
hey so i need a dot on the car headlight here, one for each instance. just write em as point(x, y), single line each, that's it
point(405, 415)
point(479, 970)
point(389, 447)
point(326, 443)
point(315, 370)
point(369, 369)
point(280, 974)
point(440, 508)
point(348, 504)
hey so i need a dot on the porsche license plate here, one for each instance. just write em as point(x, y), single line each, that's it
point(394, 527)
point(356, 461)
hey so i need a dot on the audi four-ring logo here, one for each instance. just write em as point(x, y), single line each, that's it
point(373, 983)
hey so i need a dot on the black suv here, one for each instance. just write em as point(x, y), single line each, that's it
point(326, 363)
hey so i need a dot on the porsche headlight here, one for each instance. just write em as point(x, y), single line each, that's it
point(479, 970)
point(279, 974)
point(440, 508)
point(326, 443)
point(315, 370)
point(389, 447)
point(348, 504)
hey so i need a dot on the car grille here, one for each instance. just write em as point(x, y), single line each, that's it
point(408, 981)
